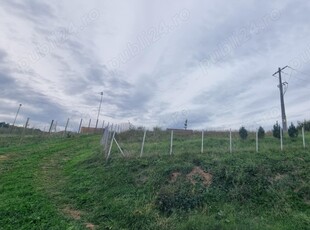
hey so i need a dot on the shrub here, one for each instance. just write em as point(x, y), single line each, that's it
point(276, 130)
point(4, 125)
point(292, 131)
point(261, 132)
point(243, 133)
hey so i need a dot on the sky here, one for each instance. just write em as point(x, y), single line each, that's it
point(157, 63)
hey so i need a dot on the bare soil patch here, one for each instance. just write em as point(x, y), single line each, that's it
point(198, 172)
point(90, 226)
point(3, 157)
point(75, 214)
point(197, 175)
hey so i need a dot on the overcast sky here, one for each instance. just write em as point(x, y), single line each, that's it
point(157, 63)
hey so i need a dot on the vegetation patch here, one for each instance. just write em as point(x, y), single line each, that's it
point(3, 157)
point(184, 192)
point(75, 214)
point(66, 183)
point(197, 175)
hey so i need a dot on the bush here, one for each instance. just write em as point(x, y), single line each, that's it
point(276, 130)
point(4, 125)
point(243, 133)
point(292, 131)
point(261, 133)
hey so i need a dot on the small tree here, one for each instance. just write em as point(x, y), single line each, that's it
point(185, 124)
point(276, 130)
point(243, 133)
point(292, 131)
point(261, 132)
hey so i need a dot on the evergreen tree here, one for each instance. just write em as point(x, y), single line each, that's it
point(243, 133)
point(261, 132)
point(185, 124)
point(276, 130)
point(292, 131)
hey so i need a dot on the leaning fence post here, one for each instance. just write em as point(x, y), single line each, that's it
point(111, 146)
point(257, 140)
point(142, 147)
point(51, 126)
point(303, 137)
point(79, 131)
point(66, 127)
point(281, 138)
point(171, 142)
point(230, 142)
point(202, 137)
point(55, 127)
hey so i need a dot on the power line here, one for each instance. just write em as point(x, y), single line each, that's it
point(308, 75)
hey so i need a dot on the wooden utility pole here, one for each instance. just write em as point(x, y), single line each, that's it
point(284, 121)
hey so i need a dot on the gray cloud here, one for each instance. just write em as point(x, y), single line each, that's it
point(30, 9)
point(246, 42)
point(3, 55)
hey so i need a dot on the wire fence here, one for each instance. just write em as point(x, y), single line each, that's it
point(140, 143)
point(126, 140)
point(18, 134)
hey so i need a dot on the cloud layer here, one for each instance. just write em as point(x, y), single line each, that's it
point(157, 63)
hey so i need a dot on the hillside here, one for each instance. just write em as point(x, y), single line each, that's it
point(66, 183)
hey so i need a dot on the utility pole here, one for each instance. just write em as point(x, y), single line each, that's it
point(284, 121)
point(101, 93)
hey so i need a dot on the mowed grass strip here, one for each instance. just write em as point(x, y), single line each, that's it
point(25, 204)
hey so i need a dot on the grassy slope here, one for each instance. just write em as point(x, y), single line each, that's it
point(65, 184)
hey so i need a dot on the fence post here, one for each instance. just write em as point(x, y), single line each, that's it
point(303, 137)
point(257, 140)
point(281, 138)
point(79, 131)
point(230, 142)
point(24, 130)
point(55, 127)
point(119, 147)
point(142, 147)
point(111, 146)
point(171, 142)
point(96, 124)
point(202, 137)
point(88, 131)
point(51, 126)
point(66, 127)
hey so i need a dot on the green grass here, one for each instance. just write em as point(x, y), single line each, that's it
point(66, 183)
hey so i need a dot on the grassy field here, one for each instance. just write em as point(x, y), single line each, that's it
point(66, 183)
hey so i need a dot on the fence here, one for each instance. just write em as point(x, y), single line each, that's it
point(10, 135)
point(145, 143)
